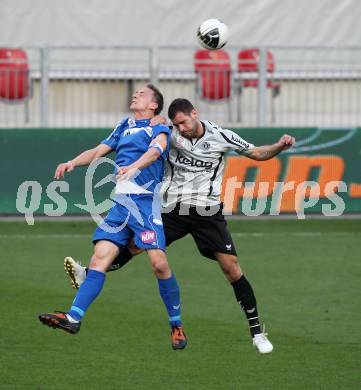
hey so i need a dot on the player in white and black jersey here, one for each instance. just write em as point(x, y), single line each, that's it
point(193, 178)
point(192, 205)
point(196, 161)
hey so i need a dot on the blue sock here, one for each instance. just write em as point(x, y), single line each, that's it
point(87, 292)
point(169, 291)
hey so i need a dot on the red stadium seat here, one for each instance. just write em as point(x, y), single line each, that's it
point(213, 70)
point(14, 74)
point(15, 78)
point(248, 63)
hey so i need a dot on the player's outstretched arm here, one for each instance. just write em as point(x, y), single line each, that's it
point(266, 152)
point(156, 148)
point(84, 158)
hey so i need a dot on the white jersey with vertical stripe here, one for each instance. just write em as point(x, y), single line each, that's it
point(194, 169)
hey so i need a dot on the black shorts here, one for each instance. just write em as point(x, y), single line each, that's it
point(210, 233)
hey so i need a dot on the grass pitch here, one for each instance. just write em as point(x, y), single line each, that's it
point(306, 275)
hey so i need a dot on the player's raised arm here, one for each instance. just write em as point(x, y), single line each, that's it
point(266, 152)
point(230, 140)
point(83, 158)
point(156, 149)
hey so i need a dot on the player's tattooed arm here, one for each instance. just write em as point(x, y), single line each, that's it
point(266, 152)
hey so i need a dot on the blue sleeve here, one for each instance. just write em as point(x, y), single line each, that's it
point(113, 139)
point(158, 129)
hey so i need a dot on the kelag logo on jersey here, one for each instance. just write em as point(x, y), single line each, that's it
point(193, 162)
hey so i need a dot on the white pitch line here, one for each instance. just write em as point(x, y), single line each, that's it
point(236, 234)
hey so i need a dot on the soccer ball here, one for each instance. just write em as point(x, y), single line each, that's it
point(212, 34)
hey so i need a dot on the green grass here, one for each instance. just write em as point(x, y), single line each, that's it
point(306, 275)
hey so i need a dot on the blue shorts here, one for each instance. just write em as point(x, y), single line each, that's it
point(136, 217)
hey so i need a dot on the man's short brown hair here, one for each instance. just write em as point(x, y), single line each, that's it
point(158, 98)
point(179, 105)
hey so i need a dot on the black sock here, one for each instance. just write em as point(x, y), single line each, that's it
point(245, 297)
point(120, 261)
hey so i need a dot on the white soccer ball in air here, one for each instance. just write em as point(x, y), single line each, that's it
point(212, 34)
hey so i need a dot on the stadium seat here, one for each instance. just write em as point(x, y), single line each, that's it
point(247, 64)
point(14, 77)
point(213, 70)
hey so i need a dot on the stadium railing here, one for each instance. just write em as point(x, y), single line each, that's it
point(84, 86)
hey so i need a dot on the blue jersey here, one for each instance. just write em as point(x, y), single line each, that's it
point(130, 140)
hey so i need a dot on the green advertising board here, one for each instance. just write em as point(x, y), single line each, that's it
point(29, 158)
point(322, 157)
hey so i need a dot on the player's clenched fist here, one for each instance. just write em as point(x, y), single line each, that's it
point(286, 141)
point(126, 173)
point(62, 168)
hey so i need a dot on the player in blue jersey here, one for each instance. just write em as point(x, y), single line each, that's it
point(141, 148)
